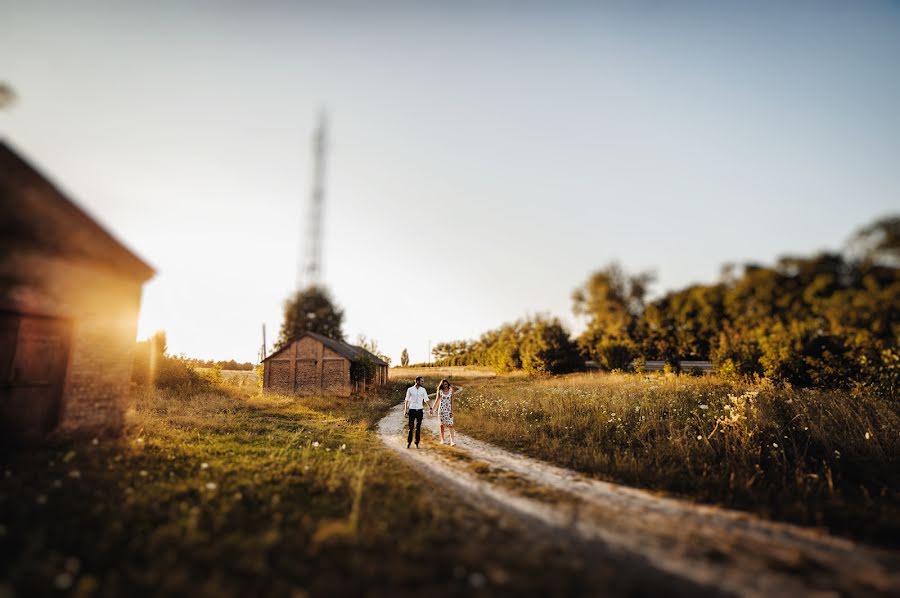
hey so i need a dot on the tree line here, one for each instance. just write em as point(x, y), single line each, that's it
point(828, 320)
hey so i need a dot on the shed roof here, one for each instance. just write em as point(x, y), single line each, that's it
point(36, 213)
point(351, 352)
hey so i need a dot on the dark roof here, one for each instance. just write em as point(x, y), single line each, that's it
point(35, 213)
point(351, 352)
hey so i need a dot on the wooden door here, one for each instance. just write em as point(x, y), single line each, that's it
point(34, 355)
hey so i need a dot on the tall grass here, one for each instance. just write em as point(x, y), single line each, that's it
point(814, 457)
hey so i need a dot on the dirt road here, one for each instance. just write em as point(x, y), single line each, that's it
point(724, 551)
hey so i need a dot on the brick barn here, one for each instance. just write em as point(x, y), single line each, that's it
point(313, 364)
point(69, 300)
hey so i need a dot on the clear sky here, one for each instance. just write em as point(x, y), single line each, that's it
point(485, 156)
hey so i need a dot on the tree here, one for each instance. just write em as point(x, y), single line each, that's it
point(547, 349)
point(404, 358)
point(612, 300)
point(310, 310)
point(371, 345)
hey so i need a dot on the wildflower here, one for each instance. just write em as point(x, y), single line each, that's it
point(837, 454)
point(704, 407)
point(699, 437)
point(315, 444)
point(204, 466)
point(211, 485)
point(344, 446)
point(868, 436)
point(775, 444)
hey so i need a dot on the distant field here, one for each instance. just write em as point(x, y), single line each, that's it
point(812, 457)
point(435, 375)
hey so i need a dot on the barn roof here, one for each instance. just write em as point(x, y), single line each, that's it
point(351, 352)
point(36, 213)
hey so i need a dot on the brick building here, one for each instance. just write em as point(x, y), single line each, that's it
point(69, 300)
point(313, 364)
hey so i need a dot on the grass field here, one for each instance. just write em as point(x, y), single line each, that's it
point(455, 374)
point(229, 493)
point(811, 457)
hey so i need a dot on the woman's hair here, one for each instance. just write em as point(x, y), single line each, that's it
point(444, 381)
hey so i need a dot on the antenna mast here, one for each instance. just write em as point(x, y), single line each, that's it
point(311, 268)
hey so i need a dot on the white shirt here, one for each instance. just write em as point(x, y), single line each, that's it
point(416, 397)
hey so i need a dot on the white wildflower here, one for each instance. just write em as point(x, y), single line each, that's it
point(775, 444)
point(344, 446)
point(211, 486)
point(868, 436)
point(315, 444)
point(699, 437)
point(204, 466)
point(704, 407)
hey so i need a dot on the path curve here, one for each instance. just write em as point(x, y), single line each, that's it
point(723, 550)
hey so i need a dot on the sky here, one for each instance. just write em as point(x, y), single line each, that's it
point(484, 157)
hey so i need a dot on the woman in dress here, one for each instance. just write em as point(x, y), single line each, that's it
point(445, 409)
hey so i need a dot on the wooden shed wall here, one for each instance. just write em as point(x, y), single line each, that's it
point(308, 367)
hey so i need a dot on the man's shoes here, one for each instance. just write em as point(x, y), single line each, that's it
point(407, 445)
point(417, 445)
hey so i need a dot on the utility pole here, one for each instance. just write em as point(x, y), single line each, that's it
point(262, 351)
point(311, 263)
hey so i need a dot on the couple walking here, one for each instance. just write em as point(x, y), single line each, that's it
point(414, 408)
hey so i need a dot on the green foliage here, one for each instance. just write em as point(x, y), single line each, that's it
point(362, 370)
point(825, 320)
point(612, 301)
point(547, 349)
point(310, 310)
point(538, 345)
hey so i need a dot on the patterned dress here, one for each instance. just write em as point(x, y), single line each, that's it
point(446, 417)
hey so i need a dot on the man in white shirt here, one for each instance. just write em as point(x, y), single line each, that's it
point(414, 408)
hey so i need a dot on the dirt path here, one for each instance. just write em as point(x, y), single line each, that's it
point(722, 550)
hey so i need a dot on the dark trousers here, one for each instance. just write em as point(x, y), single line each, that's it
point(415, 419)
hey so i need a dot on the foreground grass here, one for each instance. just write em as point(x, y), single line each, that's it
point(811, 457)
point(216, 493)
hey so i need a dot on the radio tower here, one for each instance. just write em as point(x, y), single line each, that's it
point(311, 264)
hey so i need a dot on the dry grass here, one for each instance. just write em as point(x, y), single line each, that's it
point(228, 493)
point(436, 374)
point(814, 457)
